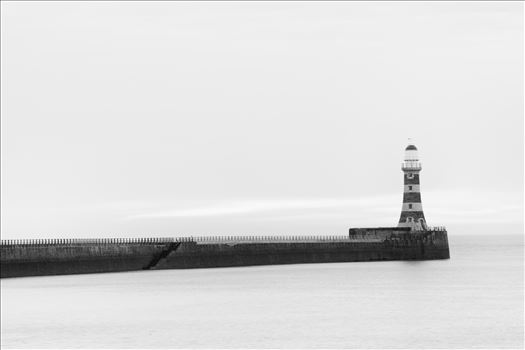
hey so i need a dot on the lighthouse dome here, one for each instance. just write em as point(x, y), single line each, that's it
point(411, 153)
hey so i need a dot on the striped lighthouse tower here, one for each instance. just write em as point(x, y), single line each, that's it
point(412, 212)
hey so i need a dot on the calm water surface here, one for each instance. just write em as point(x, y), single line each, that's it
point(473, 300)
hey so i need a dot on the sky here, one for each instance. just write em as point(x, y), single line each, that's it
point(126, 119)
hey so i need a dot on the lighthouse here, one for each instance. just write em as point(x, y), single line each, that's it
point(412, 211)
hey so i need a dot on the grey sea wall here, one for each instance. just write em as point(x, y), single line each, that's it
point(34, 259)
point(74, 256)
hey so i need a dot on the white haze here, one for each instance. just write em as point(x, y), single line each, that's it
point(173, 118)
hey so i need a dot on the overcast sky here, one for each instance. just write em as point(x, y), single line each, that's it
point(174, 118)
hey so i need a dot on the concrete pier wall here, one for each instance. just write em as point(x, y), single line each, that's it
point(76, 256)
point(399, 247)
point(65, 259)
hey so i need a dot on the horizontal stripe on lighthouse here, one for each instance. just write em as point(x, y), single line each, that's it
point(415, 207)
point(414, 180)
point(415, 188)
point(415, 215)
point(411, 214)
point(411, 197)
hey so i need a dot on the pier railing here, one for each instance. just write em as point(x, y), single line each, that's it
point(432, 229)
point(204, 239)
point(164, 240)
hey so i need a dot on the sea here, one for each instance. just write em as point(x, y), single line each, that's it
point(473, 300)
